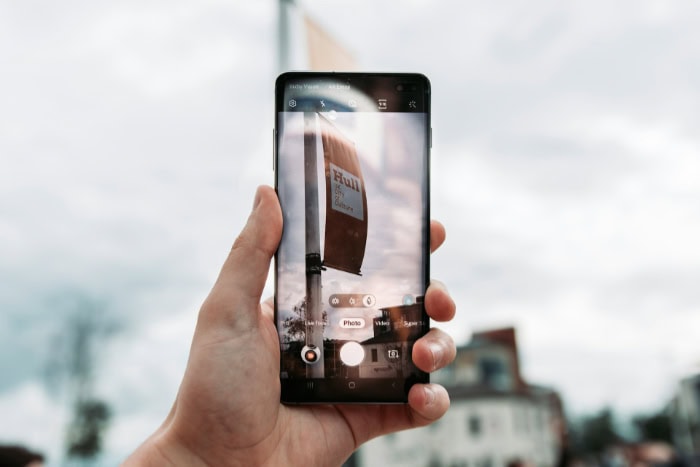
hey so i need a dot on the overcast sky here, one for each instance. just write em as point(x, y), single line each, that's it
point(566, 168)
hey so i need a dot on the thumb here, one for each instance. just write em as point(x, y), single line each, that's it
point(236, 295)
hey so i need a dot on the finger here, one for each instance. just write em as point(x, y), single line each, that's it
point(428, 402)
point(433, 351)
point(268, 308)
point(236, 294)
point(437, 235)
point(438, 302)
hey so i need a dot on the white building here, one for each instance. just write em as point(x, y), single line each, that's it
point(685, 417)
point(495, 418)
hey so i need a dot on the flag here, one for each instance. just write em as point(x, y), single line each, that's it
point(324, 52)
point(346, 202)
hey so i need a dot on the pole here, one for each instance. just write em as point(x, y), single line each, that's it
point(314, 312)
point(283, 36)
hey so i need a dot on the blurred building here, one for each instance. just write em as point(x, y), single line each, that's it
point(496, 417)
point(684, 410)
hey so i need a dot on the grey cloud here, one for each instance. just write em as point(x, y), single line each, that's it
point(129, 194)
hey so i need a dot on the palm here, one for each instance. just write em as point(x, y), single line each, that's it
point(244, 412)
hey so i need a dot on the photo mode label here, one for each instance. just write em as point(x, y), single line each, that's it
point(352, 323)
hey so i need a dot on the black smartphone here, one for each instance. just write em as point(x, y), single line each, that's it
point(352, 159)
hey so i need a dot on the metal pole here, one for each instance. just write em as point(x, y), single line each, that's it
point(283, 36)
point(314, 312)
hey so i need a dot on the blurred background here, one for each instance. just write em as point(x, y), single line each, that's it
point(565, 167)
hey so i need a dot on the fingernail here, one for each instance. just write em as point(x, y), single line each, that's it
point(440, 285)
point(429, 395)
point(436, 352)
point(257, 199)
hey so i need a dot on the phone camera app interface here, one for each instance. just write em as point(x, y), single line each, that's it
point(351, 267)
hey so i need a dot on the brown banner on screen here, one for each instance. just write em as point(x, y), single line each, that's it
point(346, 202)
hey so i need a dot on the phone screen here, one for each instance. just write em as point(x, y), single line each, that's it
point(352, 176)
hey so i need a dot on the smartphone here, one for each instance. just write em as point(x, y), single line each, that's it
point(351, 161)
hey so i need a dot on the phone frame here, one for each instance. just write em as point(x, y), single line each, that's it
point(309, 390)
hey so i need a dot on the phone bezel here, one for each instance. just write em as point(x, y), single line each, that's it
point(296, 391)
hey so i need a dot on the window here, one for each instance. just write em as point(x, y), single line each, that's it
point(374, 355)
point(474, 425)
point(494, 373)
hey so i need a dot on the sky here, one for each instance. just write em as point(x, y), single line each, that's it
point(565, 167)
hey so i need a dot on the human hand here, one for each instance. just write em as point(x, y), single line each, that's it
point(228, 412)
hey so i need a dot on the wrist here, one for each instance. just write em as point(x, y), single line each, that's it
point(162, 451)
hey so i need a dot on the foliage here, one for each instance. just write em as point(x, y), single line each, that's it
point(295, 326)
point(656, 427)
point(85, 433)
point(595, 433)
point(73, 367)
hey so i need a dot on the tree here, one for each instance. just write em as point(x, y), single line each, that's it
point(595, 433)
point(87, 429)
point(72, 368)
point(656, 427)
point(295, 326)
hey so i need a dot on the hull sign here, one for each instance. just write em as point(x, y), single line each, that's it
point(346, 190)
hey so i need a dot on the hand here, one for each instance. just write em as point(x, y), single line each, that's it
point(228, 412)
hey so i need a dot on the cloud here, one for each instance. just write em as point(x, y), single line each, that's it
point(564, 167)
point(122, 188)
point(38, 425)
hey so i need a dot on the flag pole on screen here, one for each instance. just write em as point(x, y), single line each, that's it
point(314, 312)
